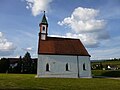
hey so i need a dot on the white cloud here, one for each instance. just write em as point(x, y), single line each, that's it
point(57, 36)
point(28, 49)
point(6, 47)
point(89, 40)
point(85, 26)
point(110, 49)
point(83, 20)
point(38, 6)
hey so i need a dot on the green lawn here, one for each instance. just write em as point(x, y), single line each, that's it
point(28, 81)
point(107, 73)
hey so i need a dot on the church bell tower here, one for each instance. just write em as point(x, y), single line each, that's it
point(43, 28)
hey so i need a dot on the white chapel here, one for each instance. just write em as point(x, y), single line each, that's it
point(61, 57)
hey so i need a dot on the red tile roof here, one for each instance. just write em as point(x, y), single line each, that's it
point(61, 46)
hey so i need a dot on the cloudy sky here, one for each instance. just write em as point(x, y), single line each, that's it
point(95, 22)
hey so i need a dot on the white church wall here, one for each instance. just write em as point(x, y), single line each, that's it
point(84, 72)
point(57, 66)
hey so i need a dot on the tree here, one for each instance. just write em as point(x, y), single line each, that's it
point(34, 65)
point(19, 65)
point(101, 66)
point(4, 65)
point(27, 63)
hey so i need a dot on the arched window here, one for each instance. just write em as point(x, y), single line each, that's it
point(67, 67)
point(43, 28)
point(47, 67)
point(84, 67)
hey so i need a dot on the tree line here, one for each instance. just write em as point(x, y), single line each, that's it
point(25, 65)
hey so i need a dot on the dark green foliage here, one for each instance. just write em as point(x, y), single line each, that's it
point(27, 63)
point(106, 73)
point(4, 65)
point(34, 66)
point(19, 65)
point(111, 74)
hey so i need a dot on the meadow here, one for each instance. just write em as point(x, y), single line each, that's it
point(28, 81)
point(106, 73)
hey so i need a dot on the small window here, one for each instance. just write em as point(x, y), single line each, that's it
point(47, 67)
point(43, 28)
point(67, 67)
point(84, 68)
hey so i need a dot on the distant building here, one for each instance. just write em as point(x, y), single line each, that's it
point(61, 57)
point(13, 62)
point(19, 65)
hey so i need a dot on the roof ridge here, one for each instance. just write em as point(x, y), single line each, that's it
point(63, 38)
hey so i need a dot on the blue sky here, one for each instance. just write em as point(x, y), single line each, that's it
point(95, 22)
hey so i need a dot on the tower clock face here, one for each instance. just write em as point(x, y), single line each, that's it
point(43, 28)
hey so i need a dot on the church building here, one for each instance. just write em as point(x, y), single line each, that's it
point(61, 57)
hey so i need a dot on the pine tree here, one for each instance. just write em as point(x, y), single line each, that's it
point(27, 63)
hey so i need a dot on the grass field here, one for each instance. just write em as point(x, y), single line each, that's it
point(28, 81)
point(107, 73)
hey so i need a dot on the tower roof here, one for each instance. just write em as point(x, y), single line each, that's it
point(44, 20)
